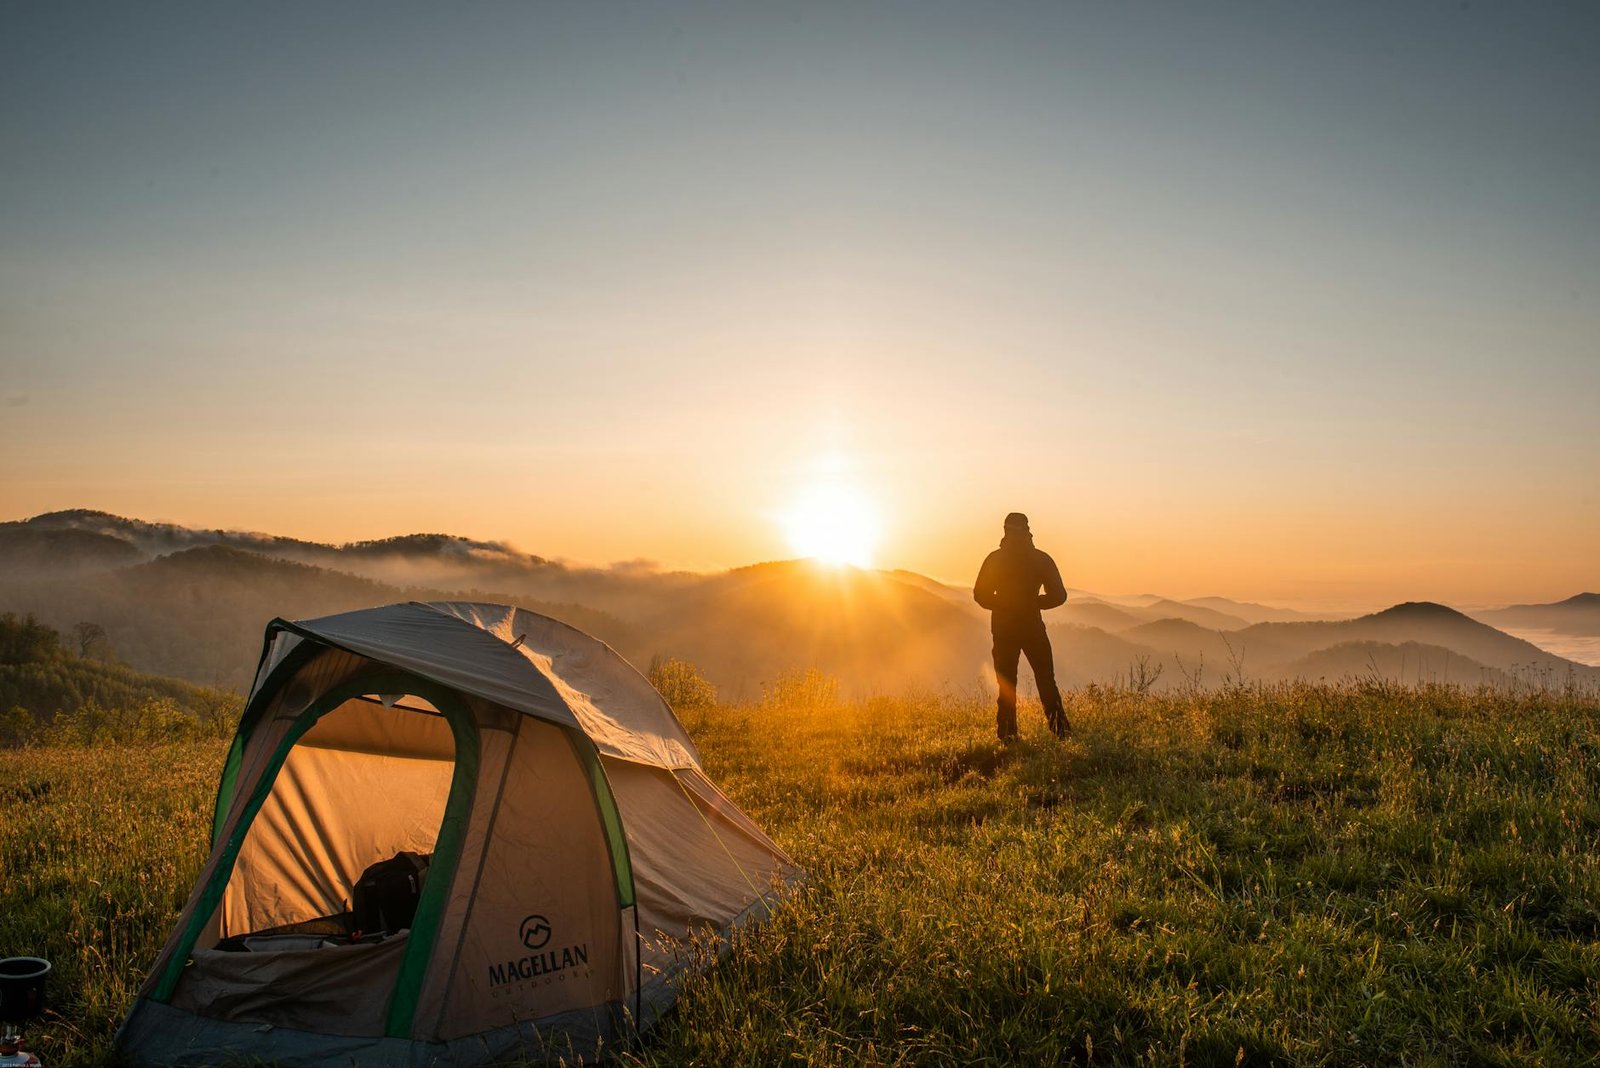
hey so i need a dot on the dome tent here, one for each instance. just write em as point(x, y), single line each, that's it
point(575, 847)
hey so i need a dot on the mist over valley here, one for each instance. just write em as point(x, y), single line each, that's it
point(191, 604)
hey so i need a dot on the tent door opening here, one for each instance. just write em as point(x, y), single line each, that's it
point(377, 773)
point(348, 830)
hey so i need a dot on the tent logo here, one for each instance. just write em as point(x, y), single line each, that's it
point(542, 965)
point(535, 932)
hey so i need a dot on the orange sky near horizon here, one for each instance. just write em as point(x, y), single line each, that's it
point(1318, 558)
point(1289, 305)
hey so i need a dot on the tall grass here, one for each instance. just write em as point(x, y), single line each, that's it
point(99, 848)
point(1364, 874)
point(1321, 875)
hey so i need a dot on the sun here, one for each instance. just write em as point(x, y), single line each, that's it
point(834, 524)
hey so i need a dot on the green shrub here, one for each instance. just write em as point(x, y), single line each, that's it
point(681, 684)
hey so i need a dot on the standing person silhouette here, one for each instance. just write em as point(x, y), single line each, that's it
point(1009, 585)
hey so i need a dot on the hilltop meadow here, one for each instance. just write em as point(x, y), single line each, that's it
point(1361, 873)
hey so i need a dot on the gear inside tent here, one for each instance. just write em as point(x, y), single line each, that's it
point(448, 834)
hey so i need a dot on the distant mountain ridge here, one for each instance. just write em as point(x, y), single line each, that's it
point(151, 538)
point(1578, 615)
point(160, 539)
point(1417, 642)
point(27, 551)
point(1251, 612)
point(193, 603)
point(438, 561)
point(1424, 623)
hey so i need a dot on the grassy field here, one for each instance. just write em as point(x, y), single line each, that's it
point(1307, 875)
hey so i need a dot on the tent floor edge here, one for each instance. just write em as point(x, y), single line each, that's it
point(155, 1034)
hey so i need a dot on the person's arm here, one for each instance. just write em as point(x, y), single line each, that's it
point(983, 590)
point(1055, 591)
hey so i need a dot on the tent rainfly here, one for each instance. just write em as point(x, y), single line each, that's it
point(571, 850)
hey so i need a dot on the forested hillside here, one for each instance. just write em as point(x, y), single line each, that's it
point(43, 681)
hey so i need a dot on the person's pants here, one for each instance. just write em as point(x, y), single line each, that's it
point(1036, 646)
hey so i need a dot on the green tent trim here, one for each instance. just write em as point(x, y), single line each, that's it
point(265, 694)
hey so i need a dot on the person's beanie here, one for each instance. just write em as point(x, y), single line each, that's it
point(1016, 521)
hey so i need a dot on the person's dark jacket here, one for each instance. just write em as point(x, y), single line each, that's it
point(1009, 585)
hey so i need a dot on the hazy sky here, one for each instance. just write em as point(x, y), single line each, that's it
point(1295, 302)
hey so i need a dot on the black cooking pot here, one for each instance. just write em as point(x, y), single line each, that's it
point(22, 988)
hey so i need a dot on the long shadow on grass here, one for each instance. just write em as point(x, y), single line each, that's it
point(1087, 771)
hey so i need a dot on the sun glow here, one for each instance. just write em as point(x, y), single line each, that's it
point(834, 524)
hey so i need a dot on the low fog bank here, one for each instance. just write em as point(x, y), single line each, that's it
point(1580, 649)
